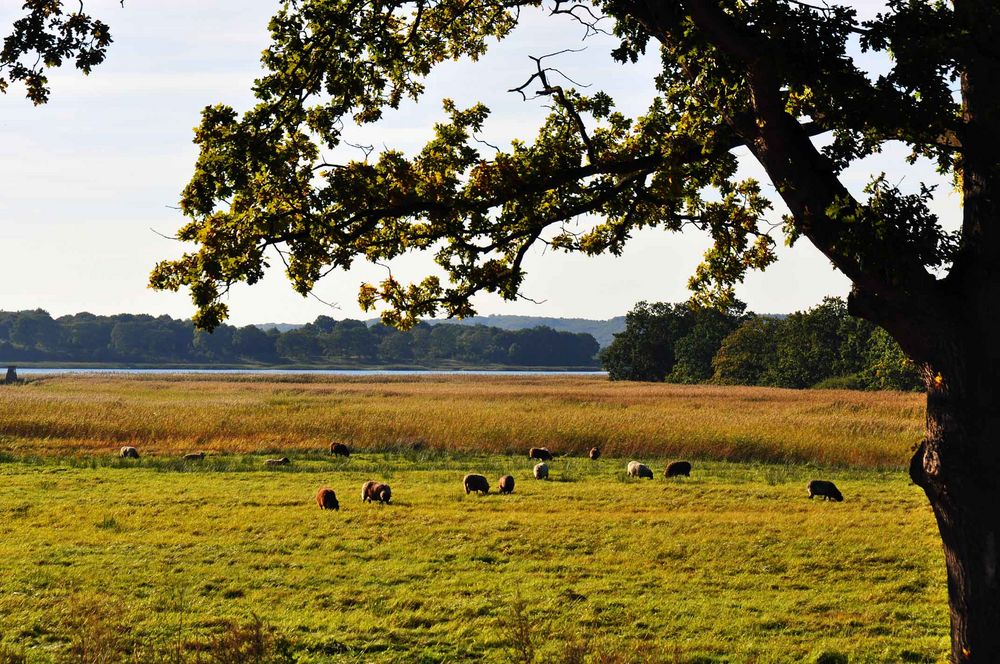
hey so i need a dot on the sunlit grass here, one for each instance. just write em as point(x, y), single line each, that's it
point(165, 560)
point(734, 563)
point(502, 415)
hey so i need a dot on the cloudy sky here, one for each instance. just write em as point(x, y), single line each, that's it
point(87, 182)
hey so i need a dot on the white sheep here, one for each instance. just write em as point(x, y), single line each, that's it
point(636, 469)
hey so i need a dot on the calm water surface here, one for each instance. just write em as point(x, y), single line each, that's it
point(319, 372)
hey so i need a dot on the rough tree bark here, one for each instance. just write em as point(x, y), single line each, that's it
point(958, 467)
point(958, 464)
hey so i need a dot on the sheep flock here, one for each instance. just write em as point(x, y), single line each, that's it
point(373, 491)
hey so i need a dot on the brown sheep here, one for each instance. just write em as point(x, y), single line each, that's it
point(540, 453)
point(477, 483)
point(595, 453)
point(824, 489)
point(375, 492)
point(129, 453)
point(339, 449)
point(326, 498)
point(194, 456)
point(506, 484)
point(283, 461)
point(678, 468)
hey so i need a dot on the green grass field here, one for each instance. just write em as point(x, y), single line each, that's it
point(158, 560)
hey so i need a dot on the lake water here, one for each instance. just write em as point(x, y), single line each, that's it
point(32, 371)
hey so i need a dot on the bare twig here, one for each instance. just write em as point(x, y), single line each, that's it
point(583, 15)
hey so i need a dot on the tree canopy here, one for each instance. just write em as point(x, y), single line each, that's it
point(767, 75)
point(48, 35)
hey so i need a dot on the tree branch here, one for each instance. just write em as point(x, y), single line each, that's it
point(804, 178)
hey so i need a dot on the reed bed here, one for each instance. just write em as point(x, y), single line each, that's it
point(169, 415)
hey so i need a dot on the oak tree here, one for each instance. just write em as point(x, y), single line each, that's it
point(777, 79)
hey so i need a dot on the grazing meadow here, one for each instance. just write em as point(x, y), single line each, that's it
point(225, 560)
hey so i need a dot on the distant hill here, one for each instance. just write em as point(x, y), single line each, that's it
point(602, 330)
point(280, 327)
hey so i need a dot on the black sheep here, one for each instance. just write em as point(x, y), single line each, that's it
point(825, 490)
point(678, 468)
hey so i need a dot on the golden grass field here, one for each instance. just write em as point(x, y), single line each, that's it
point(499, 415)
point(226, 560)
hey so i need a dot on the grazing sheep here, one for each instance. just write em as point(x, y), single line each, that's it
point(283, 461)
point(375, 492)
point(636, 469)
point(326, 498)
point(677, 468)
point(194, 456)
point(477, 483)
point(506, 484)
point(129, 453)
point(339, 449)
point(595, 453)
point(824, 489)
point(541, 472)
point(540, 453)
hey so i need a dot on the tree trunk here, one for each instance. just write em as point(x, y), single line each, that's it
point(958, 467)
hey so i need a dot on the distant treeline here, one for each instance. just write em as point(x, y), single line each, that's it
point(820, 347)
point(141, 339)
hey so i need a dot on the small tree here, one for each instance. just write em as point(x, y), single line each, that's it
point(809, 345)
point(299, 346)
point(252, 343)
point(748, 356)
point(887, 367)
point(35, 329)
point(695, 350)
point(644, 350)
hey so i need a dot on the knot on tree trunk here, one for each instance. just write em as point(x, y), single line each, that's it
point(925, 465)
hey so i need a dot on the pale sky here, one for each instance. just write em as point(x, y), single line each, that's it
point(87, 181)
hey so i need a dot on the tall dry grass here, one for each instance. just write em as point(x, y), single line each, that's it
point(167, 415)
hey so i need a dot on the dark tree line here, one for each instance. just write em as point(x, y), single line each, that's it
point(84, 337)
point(823, 346)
